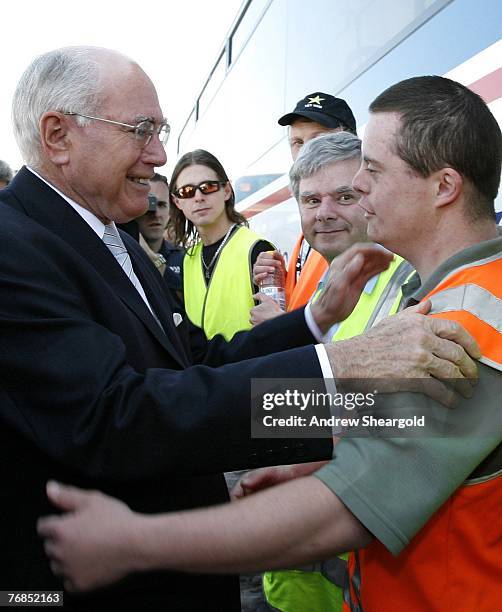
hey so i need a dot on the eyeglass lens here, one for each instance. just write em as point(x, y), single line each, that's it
point(188, 191)
point(145, 130)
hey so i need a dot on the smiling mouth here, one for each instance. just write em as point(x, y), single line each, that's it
point(139, 180)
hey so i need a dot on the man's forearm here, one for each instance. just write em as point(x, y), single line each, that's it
point(293, 524)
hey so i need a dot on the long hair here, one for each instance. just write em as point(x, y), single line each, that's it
point(183, 230)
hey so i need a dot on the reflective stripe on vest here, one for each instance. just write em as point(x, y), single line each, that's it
point(471, 298)
point(383, 301)
point(391, 297)
point(475, 300)
point(474, 292)
point(222, 306)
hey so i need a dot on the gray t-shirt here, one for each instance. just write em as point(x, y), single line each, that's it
point(393, 485)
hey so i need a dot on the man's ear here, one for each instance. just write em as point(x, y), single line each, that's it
point(54, 136)
point(449, 186)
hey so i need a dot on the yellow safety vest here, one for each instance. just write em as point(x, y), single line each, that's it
point(222, 306)
point(319, 587)
point(373, 306)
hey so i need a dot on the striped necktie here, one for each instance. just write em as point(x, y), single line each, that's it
point(114, 242)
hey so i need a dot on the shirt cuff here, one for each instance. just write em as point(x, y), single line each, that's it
point(322, 355)
point(312, 325)
point(329, 381)
point(327, 372)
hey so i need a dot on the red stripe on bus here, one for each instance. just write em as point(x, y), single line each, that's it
point(489, 87)
point(277, 197)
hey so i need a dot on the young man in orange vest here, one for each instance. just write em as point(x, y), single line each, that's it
point(423, 509)
point(315, 114)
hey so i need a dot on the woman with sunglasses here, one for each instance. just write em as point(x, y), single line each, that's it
point(220, 248)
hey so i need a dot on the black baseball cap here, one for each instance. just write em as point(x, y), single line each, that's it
point(324, 109)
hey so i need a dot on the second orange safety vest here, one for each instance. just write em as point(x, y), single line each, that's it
point(299, 293)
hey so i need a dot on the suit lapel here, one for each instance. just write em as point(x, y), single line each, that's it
point(151, 282)
point(43, 204)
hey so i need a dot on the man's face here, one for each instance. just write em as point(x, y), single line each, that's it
point(108, 168)
point(203, 210)
point(3, 184)
point(394, 197)
point(302, 130)
point(331, 219)
point(152, 224)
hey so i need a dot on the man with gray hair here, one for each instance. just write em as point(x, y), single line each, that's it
point(96, 379)
point(5, 174)
point(332, 222)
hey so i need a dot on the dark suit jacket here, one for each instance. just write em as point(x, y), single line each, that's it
point(93, 392)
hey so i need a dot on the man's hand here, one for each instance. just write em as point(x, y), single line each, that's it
point(345, 280)
point(409, 346)
point(90, 545)
point(267, 309)
point(267, 263)
point(263, 478)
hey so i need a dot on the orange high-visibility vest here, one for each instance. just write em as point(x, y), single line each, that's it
point(454, 563)
point(299, 293)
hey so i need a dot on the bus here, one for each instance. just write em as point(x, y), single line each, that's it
point(278, 51)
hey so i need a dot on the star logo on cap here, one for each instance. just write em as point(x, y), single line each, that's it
point(316, 100)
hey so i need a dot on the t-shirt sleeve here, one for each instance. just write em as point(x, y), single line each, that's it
point(260, 247)
point(393, 485)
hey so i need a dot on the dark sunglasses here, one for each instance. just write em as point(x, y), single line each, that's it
point(188, 191)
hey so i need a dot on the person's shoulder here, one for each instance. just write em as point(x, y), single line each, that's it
point(32, 253)
point(263, 245)
point(16, 223)
point(244, 229)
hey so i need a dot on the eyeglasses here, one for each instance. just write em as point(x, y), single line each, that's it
point(143, 130)
point(188, 191)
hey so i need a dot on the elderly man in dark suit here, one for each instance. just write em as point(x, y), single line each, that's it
point(98, 385)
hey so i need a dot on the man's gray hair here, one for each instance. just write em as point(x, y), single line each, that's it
point(5, 172)
point(64, 80)
point(322, 151)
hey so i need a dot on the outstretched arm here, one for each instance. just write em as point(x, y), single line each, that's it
point(100, 540)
